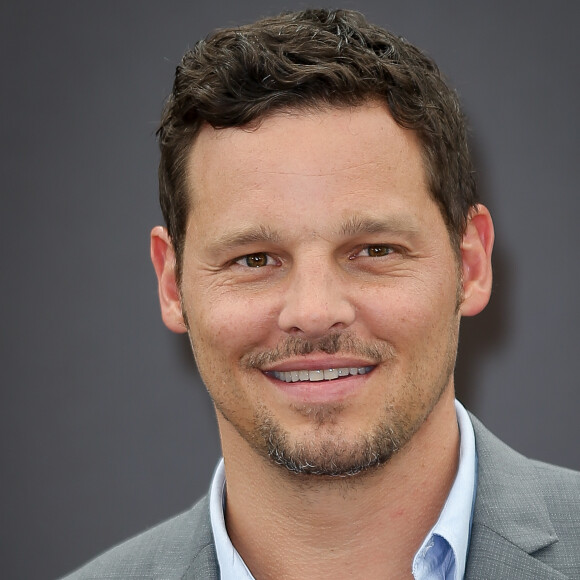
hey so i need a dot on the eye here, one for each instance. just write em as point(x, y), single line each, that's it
point(257, 260)
point(375, 251)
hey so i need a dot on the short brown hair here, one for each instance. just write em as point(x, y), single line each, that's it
point(311, 59)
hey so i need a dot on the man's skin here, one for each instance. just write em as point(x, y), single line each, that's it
point(310, 225)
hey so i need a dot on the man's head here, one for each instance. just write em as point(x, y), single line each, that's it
point(312, 60)
point(323, 240)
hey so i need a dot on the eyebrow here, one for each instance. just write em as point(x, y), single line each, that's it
point(244, 237)
point(357, 225)
point(353, 226)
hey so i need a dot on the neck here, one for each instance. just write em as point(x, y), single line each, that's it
point(290, 526)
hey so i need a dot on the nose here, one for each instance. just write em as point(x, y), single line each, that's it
point(315, 302)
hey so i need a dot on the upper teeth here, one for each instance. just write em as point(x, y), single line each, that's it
point(319, 375)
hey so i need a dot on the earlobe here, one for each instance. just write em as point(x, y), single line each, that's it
point(476, 248)
point(164, 262)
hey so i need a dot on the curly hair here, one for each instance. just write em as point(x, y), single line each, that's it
point(315, 58)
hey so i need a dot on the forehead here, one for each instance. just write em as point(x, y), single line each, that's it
point(335, 145)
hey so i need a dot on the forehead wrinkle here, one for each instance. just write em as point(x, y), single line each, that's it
point(366, 165)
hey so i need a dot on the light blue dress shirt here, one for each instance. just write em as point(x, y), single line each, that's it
point(443, 553)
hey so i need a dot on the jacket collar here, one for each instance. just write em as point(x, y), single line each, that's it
point(510, 519)
point(203, 565)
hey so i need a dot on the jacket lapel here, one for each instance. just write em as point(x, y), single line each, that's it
point(493, 556)
point(203, 565)
point(510, 519)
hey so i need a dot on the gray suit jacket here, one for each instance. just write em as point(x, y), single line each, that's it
point(526, 526)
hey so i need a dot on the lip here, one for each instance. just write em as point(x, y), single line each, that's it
point(323, 391)
point(318, 363)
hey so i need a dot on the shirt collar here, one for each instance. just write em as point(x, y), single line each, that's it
point(448, 540)
point(231, 565)
point(450, 535)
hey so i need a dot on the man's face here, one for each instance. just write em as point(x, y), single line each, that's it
point(320, 287)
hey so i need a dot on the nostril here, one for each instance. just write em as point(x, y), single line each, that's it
point(313, 323)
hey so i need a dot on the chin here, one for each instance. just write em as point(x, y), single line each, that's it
point(327, 450)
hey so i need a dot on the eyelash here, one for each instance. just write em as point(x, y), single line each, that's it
point(388, 250)
point(269, 260)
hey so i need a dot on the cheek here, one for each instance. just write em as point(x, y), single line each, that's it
point(417, 314)
point(231, 323)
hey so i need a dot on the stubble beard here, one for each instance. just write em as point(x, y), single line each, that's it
point(328, 451)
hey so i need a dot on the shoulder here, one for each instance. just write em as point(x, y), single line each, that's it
point(526, 516)
point(181, 547)
point(500, 465)
point(560, 489)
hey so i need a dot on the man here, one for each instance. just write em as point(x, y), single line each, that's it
point(324, 239)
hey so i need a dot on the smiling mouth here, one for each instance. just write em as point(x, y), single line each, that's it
point(319, 375)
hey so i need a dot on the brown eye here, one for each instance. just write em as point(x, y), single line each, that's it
point(254, 260)
point(378, 251)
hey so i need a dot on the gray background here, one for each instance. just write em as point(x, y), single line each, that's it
point(105, 428)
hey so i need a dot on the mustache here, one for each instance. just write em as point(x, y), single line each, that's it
point(334, 343)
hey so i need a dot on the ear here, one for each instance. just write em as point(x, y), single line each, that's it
point(476, 248)
point(163, 258)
